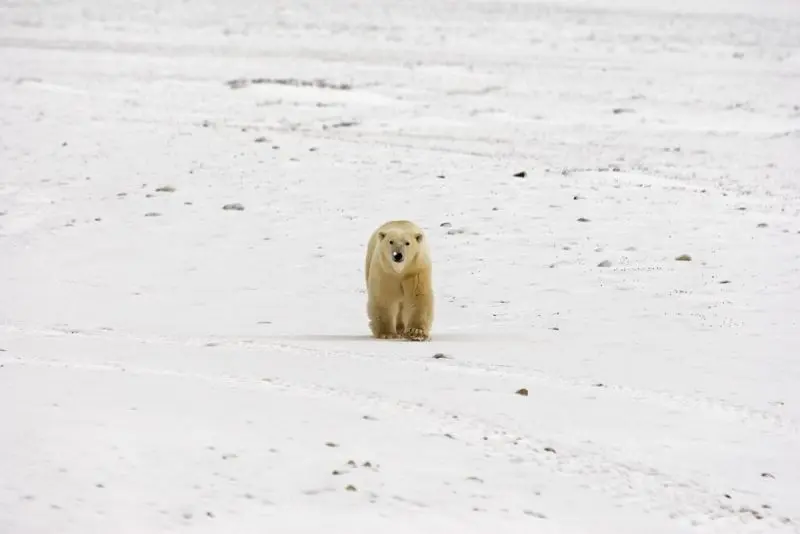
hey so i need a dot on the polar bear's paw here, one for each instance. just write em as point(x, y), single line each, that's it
point(387, 336)
point(416, 334)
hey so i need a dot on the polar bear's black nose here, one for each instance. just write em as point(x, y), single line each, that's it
point(397, 256)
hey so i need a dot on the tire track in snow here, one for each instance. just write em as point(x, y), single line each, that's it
point(684, 403)
point(713, 406)
point(632, 484)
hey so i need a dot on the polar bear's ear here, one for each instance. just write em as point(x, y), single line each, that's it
point(381, 235)
point(418, 237)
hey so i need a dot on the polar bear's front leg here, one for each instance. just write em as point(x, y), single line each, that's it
point(383, 320)
point(418, 308)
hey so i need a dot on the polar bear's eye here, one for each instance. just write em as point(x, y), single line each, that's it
point(407, 243)
point(391, 242)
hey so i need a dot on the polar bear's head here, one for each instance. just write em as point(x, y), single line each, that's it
point(401, 248)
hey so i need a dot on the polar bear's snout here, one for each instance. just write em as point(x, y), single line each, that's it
point(397, 256)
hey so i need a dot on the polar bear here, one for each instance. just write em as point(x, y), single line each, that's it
point(398, 276)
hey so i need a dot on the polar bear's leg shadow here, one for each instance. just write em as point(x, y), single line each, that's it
point(401, 327)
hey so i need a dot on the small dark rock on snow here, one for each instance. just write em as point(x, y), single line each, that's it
point(604, 263)
point(238, 83)
point(683, 257)
point(523, 392)
point(233, 207)
point(340, 124)
point(537, 515)
point(520, 174)
point(440, 356)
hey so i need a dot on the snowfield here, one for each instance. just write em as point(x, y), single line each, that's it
point(170, 365)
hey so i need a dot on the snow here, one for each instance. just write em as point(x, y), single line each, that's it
point(170, 366)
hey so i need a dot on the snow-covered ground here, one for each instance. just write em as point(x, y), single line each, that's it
point(167, 365)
